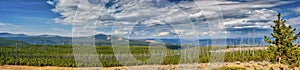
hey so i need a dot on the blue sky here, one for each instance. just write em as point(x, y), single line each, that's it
point(145, 19)
point(32, 17)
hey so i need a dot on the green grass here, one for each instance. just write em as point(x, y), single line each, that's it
point(61, 55)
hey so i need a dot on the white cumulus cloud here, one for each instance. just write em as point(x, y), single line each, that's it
point(187, 17)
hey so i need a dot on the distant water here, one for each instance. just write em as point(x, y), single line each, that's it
point(229, 41)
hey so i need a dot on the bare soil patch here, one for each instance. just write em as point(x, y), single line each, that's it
point(201, 66)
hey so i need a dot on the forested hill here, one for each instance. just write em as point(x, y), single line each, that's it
point(6, 42)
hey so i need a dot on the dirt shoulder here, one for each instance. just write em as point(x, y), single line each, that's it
point(201, 66)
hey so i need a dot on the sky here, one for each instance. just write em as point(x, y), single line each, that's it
point(147, 18)
point(33, 17)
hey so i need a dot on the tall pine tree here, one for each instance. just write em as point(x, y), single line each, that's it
point(281, 46)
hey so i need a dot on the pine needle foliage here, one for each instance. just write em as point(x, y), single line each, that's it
point(282, 47)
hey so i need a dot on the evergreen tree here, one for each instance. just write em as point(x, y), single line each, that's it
point(282, 48)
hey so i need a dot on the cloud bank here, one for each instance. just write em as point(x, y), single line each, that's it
point(163, 18)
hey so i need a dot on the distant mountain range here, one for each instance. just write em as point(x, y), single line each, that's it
point(100, 39)
point(104, 40)
point(12, 35)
